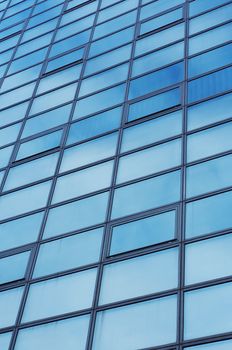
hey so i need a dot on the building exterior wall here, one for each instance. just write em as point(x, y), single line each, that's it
point(115, 175)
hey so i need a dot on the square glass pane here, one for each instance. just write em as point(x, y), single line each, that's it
point(132, 326)
point(13, 267)
point(139, 276)
point(144, 232)
point(73, 292)
point(69, 253)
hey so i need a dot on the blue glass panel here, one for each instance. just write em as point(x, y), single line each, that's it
point(198, 6)
point(158, 6)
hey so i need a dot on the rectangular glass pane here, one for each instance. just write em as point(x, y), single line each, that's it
point(220, 345)
point(144, 232)
point(13, 267)
point(9, 304)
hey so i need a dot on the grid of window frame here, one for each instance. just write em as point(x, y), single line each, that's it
point(111, 153)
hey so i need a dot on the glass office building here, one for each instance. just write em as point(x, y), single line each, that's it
point(115, 174)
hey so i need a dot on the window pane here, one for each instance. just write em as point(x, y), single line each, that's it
point(158, 59)
point(82, 182)
point(213, 110)
point(220, 345)
point(17, 95)
point(198, 6)
point(158, 6)
point(68, 253)
point(210, 85)
point(9, 304)
point(65, 334)
point(218, 263)
point(65, 60)
point(75, 215)
point(13, 267)
point(154, 104)
point(117, 9)
point(209, 215)
point(96, 125)
point(9, 134)
point(156, 80)
point(140, 196)
point(72, 292)
point(13, 114)
point(144, 232)
point(201, 307)
point(208, 142)
point(17, 202)
point(5, 339)
point(21, 231)
point(99, 101)
point(89, 152)
point(152, 131)
point(209, 176)
point(149, 161)
point(132, 327)
point(139, 276)
point(5, 154)
point(32, 171)
point(40, 144)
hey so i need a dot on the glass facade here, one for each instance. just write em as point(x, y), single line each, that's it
point(115, 184)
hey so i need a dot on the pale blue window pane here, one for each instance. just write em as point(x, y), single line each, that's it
point(74, 27)
point(13, 267)
point(39, 30)
point(147, 274)
point(19, 7)
point(28, 60)
point(65, 334)
point(55, 11)
point(132, 326)
point(72, 292)
point(140, 196)
point(160, 39)
point(55, 80)
point(89, 152)
point(82, 182)
point(2, 70)
point(69, 253)
point(17, 95)
point(117, 9)
point(158, 59)
point(34, 44)
point(210, 19)
point(161, 21)
point(21, 78)
point(5, 339)
point(158, 6)
point(21, 231)
point(152, 131)
point(17, 202)
point(149, 161)
point(77, 215)
point(156, 80)
point(213, 111)
point(5, 154)
point(74, 15)
point(208, 142)
point(218, 263)
point(47, 120)
point(9, 134)
point(40, 144)
point(108, 59)
point(103, 80)
point(112, 41)
point(154, 104)
point(9, 304)
point(32, 171)
point(208, 311)
point(198, 6)
point(65, 60)
point(208, 215)
point(53, 99)
point(210, 39)
point(221, 345)
point(69, 43)
point(96, 125)
point(115, 24)
point(10, 42)
point(210, 85)
point(106, 3)
point(6, 56)
point(144, 232)
point(209, 176)
point(99, 101)
point(210, 60)
point(80, 12)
